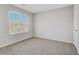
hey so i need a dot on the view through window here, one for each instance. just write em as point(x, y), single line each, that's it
point(19, 23)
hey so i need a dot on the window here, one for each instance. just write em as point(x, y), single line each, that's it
point(19, 23)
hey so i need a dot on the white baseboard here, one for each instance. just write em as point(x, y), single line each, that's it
point(54, 39)
point(9, 43)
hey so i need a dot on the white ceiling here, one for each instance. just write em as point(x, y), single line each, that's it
point(36, 8)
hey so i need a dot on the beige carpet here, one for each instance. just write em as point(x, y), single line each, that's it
point(38, 46)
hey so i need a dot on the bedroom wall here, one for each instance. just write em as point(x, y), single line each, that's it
point(5, 37)
point(55, 24)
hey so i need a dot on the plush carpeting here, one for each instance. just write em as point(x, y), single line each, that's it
point(38, 46)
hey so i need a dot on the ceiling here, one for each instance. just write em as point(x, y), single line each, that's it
point(36, 8)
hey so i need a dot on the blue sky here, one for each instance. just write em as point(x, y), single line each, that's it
point(19, 18)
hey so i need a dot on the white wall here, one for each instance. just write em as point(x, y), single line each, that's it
point(55, 24)
point(76, 26)
point(5, 37)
